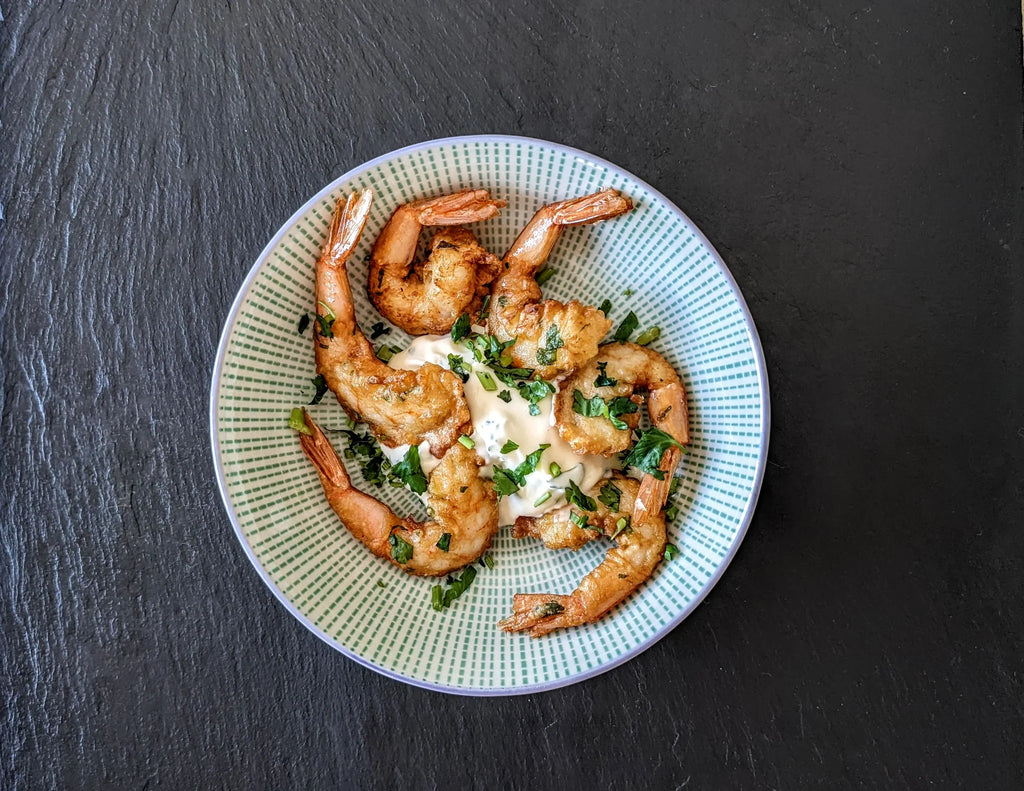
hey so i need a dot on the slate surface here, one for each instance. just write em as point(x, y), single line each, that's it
point(859, 167)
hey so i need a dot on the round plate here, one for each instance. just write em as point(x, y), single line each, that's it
point(653, 261)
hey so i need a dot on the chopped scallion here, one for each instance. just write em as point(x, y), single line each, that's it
point(648, 336)
point(542, 499)
point(467, 442)
point(487, 381)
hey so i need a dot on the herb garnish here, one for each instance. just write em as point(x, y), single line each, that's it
point(409, 471)
point(481, 317)
point(321, 388)
point(548, 608)
point(378, 329)
point(610, 494)
point(505, 396)
point(671, 552)
point(630, 323)
point(441, 598)
point(576, 497)
point(458, 367)
point(467, 442)
point(297, 421)
point(646, 454)
point(621, 526)
point(542, 499)
point(603, 380)
point(598, 407)
point(508, 482)
point(509, 446)
point(544, 275)
point(606, 307)
point(444, 542)
point(460, 329)
point(649, 335)
point(401, 550)
point(552, 343)
point(326, 321)
point(303, 322)
point(487, 381)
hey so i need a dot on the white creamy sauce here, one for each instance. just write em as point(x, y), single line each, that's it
point(495, 423)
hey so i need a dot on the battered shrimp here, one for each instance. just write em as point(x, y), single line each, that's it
point(464, 507)
point(400, 407)
point(427, 298)
point(640, 545)
point(551, 337)
point(621, 369)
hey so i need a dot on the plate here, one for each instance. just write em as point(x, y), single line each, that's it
point(653, 261)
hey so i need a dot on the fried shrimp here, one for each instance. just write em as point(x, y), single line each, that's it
point(400, 407)
point(640, 539)
point(464, 508)
point(613, 376)
point(427, 298)
point(550, 337)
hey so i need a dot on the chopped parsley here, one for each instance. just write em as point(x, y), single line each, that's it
point(409, 471)
point(505, 395)
point(326, 321)
point(598, 407)
point(458, 367)
point(552, 343)
point(603, 380)
point(509, 446)
point(646, 454)
point(544, 275)
point(628, 292)
point(303, 322)
point(373, 464)
point(580, 521)
point(649, 335)
point(610, 494)
point(401, 550)
point(508, 482)
point(672, 552)
point(321, 388)
point(441, 598)
point(297, 421)
point(606, 307)
point(534, 392)
point(460, 329)
point(626, 328)
point(380, 584)
point(378, 329)
point(444, 542)
point(621, 526)
point(576, 497)
point(481, 317)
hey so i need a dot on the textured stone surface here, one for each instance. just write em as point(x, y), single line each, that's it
point(860, 169)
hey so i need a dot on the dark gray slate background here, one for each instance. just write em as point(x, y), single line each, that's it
point(860, 168)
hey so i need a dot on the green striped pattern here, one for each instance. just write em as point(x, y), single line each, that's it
point(330, 581)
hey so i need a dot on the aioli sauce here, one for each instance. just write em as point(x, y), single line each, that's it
point(495, 423)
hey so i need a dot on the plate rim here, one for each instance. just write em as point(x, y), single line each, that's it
point(491, 691)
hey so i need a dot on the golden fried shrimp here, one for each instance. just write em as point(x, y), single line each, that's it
point(400, 407)
point(618, 371)
point(464, 508)
point(551, 337)
point(427, 298)
point(640, 545)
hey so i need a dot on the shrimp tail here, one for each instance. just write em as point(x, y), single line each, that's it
point(457, 208)
point(540, 613)
point(603, 205)
point(347, 226)
point(318, 449)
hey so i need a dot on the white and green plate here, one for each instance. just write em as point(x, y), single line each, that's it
point(653, 261)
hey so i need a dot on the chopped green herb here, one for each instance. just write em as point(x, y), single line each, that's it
point(409, 471)
point(467, 442)
point(621, 525)
point(555, 469)
point(489, 561)
point(628, 292)
point(502, 300)
point(548, 608)
point(505, 482)
point(487, 381)
point(385, 353)
point(440, 598)
point(671, 513)
point(542, 499)
point(297, 421)
point(321, 388)
point(603, 380)
point(505, 395)
point(509, 446)
point(303, 322)
point(671, 552)
point(646, 454)
point(610, 494)
point(606, 307)
point(401, 550)
point(437, 598)
point(460, 329)
point(380, 584)
point(534, 392)
point(444, 542)
point(529, 464)
point(544, 275)
point(458, 367)
point(325, 321)
point(581, 521)
point(626, 328)
point(481, 317)
point(374, 464)
point(649, 335)
point(552, 343)
point(378, 329)
point(598, 407)
point(576, 497)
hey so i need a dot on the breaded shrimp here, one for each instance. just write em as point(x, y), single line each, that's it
point(622, 369)
point(551, 337)
point(400, 407)
point(464, 507)
point(640, 545)
point(427, 298)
